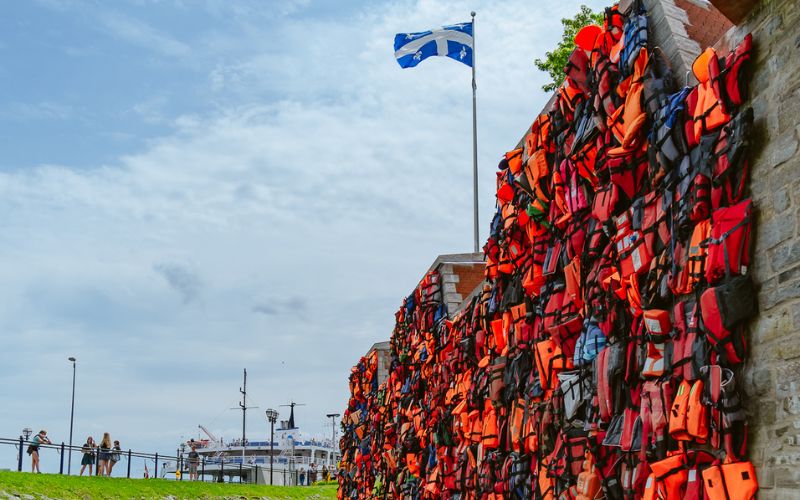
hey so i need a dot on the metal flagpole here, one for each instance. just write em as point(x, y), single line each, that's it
point(474, 140)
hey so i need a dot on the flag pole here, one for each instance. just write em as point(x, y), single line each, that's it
point(474, 141)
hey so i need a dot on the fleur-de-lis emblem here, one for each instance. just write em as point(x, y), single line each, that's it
point(418, 55)
point(463, 53)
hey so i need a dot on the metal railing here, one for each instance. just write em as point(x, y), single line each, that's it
point(177, 467)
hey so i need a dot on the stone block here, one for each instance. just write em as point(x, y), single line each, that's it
point(789, 275)
point(780, 201)
point(785, 255)
point(766, 478)
point(770, 326)
point(795, 308)
point(450, 278)
point(786, 477)
point(772, 230)
point(758, 381)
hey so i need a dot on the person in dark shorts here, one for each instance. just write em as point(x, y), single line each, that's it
point(104, 455)
point(87, 459)
point(33, 449)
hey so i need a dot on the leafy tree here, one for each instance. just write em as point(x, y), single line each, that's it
point(555, 61)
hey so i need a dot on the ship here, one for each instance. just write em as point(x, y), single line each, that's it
point(288, 458)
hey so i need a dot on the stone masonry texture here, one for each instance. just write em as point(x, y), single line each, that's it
point(771, 375)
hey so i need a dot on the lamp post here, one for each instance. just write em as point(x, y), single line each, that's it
point(26, 432)
point(180, 462)
point(333, 417)
point(272, 416)
point(71, 415)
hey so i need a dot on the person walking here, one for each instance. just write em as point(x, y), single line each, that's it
point(88, 450)
point(114, 457)
point(194, 461)
point(325, 473)
point(104, 455)
point(302, 480)
point(33, 449)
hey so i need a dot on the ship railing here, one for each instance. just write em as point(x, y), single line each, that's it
point(265, 444)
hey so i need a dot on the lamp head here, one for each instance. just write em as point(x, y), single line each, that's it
point(71, 359)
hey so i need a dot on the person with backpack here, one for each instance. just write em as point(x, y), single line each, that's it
point(33, 449)
point(114, 457)
point(88, 450)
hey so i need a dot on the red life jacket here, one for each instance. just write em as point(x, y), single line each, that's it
point(655, 406)
point(633, 254)
point(729, 241)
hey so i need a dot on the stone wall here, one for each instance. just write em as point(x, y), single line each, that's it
point(771, 377)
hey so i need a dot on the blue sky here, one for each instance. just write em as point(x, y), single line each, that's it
point(190, 188)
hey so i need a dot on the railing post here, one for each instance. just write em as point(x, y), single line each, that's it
point(256, 477)
point(129, 463)
point(19, 465)
point(61, 466)
point(221, 470)
point(240, 473)
point(203, 469)
point(179, 465)
point(156, 472)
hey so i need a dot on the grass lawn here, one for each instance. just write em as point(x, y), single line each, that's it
point(71, 487)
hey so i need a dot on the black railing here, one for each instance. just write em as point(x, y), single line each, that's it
point(178, 467)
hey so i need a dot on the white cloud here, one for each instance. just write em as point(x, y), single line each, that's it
point(139, 33)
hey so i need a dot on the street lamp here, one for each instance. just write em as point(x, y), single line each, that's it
point(71, 416)
point(27, 432)
point(333, 417)
point(183, 449)
point(272, 416)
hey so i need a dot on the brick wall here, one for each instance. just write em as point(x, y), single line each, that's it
point(771, 377)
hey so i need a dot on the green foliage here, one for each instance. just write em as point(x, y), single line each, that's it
point(72, 487)
point(555, 61)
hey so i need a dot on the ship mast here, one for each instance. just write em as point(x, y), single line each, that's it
point(291, 405)
point(243, 406)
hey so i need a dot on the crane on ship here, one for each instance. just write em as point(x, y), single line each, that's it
point(213, 439)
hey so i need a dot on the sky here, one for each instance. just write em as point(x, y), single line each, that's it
point(190, 188)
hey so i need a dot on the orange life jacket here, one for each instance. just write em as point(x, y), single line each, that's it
point(709, 113)
point(490, 437)
point(627, 121)
point(668, 478)
point(693, 271)
point(677, 415)
point(734, 481)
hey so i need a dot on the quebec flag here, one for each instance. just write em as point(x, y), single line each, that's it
point(453, 41)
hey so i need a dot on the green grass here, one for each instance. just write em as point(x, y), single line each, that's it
point(72, 487)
